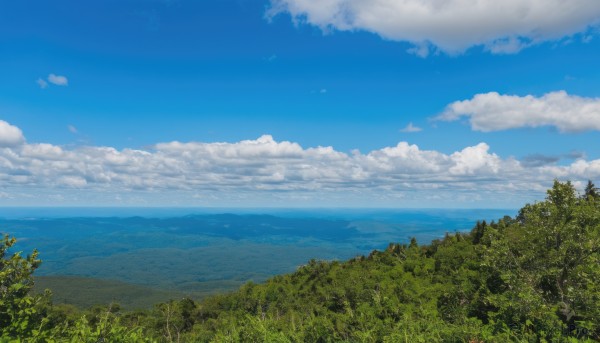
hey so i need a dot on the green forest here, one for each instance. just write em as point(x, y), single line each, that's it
point(531, 278)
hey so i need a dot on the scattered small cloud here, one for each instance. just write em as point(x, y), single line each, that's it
point(496, 112)
point(72, 129)
point(42, 83)
point(508, 45)
point(271, 58)
point(323, 91)
point(58, 80)
point(411, 128)
point(421, 50)
point(538, 160)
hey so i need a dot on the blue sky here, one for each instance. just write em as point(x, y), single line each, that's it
point(136, 76)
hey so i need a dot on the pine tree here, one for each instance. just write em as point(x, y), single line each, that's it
point(591, 190)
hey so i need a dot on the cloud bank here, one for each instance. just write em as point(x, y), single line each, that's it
point(452, 26)
point(495, 112)
point(265, 167)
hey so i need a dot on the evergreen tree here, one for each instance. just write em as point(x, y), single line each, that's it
point(591, 190)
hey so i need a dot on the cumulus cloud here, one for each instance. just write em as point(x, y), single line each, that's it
point(410, 128)
point(450, 25)
point(494, 112)
point(58, 80)
point(10, 135)
point(247, 169)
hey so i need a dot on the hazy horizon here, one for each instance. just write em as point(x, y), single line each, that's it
point(163, 212)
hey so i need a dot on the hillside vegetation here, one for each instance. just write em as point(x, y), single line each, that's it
point(531, 278)
point(85, 292)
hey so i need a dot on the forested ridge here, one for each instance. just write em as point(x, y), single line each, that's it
point(531, 278)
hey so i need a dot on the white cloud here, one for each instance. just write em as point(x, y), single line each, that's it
point(420, 49)
point(411, 128)
point(72, 129)
point(10, 135)
point(450, 25)
point(58, 80)
point(280, 172)
point(494, 112)
point(475, 160)
point(42, 83)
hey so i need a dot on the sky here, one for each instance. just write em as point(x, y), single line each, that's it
point(297, 103)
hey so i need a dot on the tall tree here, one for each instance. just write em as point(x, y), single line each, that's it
point(591, 190)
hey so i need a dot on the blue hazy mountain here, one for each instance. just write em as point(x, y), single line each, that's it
point(202, 253)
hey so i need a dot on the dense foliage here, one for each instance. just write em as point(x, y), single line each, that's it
point(532, 278)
